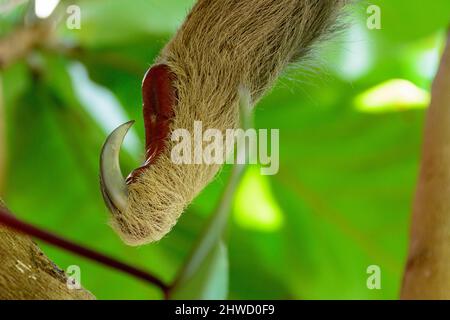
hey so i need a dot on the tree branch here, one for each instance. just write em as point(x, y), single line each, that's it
point(23, 40)
point(10, 221)
point(427, 274)
point(26, 273)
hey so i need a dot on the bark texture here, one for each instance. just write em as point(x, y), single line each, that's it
point(26, 273)
point(427, 274)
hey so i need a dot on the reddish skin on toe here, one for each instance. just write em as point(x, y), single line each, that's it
point(159, 97)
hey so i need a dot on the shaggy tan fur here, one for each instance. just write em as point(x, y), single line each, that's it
point(222, 45)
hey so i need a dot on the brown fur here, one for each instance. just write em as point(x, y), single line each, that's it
point(222, 45)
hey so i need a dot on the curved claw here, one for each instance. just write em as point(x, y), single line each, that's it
point(159, 96)
point(112, 182)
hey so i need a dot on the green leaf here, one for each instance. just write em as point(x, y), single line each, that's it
point(345, 186)
point(121, 21)
point(406, 20)
point(210, 282)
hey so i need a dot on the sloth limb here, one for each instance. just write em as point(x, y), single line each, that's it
point(223, 45)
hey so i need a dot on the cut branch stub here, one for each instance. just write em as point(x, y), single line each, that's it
point(26, 273)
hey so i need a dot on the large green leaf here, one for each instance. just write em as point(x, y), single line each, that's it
point(406, 20)
point(210, 281)
point(345, 186)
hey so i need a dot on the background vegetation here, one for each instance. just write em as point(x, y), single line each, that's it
point(350, 125)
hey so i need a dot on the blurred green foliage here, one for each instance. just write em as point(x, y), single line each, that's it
point(340, 202)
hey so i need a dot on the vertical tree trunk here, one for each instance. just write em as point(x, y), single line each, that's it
point(427, 274)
